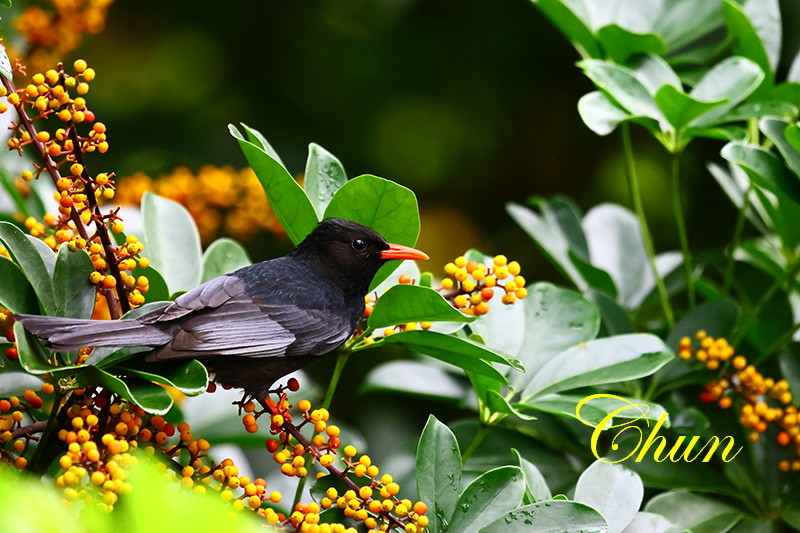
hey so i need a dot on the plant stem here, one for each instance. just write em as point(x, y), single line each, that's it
point(341, 360)
point(483, 430)
point(737, 239)
point(680, 220)
point(40, 450)
point(636, 197)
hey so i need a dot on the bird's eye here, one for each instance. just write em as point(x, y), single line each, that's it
point(359, 245)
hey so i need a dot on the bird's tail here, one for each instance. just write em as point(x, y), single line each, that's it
point(70, 334)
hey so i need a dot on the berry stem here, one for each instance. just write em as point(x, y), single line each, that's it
point(30, 429)
point(340, 474)
point(120, 305)
point(117, 306)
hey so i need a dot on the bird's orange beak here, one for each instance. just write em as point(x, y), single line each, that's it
point(398, 251)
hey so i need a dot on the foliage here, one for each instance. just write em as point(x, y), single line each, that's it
point(529, 365)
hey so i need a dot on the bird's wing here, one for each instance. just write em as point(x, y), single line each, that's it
point(320, 331)
point(212, 293)
point(220, 318)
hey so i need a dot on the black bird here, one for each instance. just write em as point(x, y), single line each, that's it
point(259, 323)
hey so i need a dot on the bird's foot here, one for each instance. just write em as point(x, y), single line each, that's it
point(243, 402)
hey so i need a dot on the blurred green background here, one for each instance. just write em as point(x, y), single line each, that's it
point(470, 104)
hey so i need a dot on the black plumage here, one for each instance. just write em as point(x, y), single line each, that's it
point(255, 325)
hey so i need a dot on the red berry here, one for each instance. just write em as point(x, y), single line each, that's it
point(272, 446)
point(293, 385)
point(12, 354)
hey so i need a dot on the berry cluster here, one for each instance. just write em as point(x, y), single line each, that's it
point(99, 437)
point(474, 284)
point(57, 94)
point(14, 413)
point(53, 28)
point(762, 402)
point(222, 200)
point(374, 503)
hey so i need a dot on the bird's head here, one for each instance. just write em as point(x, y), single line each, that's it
point(349, 253)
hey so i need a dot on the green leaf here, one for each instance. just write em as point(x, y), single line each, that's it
point(438, 472)
point(555, 319)
point(556, 230)
point(597, 278)
point(621, 44)
point(27, 257)
point(45, 252)
point(599, 361)
point(151, 397)
point(612, 490)
point(679, 108)
point(616, 246)
point(732, 79)
point(546, 517)
point(16, 293)
point(462, 353)
point(794, 69)
point(16, 383)
point(573, 21)
point(694, 511)
point(415, 379)
point(491, 402)
point(789, 361)
point(255, 138)
point(107, 357)
point(287, 199)
point(652, 523)
point(189, 377)
point(614, 319)
point(654, 72)
point(324, 176)
point(489, 497)
point(757, 110)
point(622, 86)
point(172, 242)
point(222, 257)
point(5, 63)
point(158, 290)
point(411, 303)
point(535, 484)
point(777, 129)
point(388, 208)
point(756, 26)
point(594, 411)
point(74, 293)
point(792, 134)
point(600, 114)
point(32, 356)
point(763, 168)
